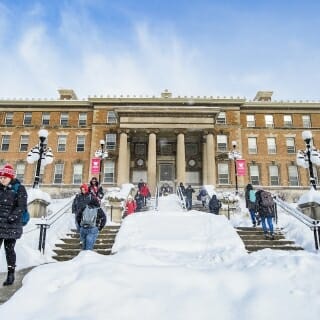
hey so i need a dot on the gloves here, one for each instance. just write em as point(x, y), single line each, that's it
point(12, 218)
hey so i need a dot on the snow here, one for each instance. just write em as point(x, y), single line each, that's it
point(170, 264)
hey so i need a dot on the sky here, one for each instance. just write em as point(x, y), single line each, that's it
point(213, 48)
point(170, 264)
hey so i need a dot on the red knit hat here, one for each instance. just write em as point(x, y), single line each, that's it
point(85, 187)
point(7, 171)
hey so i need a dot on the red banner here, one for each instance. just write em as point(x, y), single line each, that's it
point(241, 167)
point(95, 165)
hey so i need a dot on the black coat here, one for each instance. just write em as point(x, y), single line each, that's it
point(12, 205)
point(80, 202)
point(89, 199)
point(263, 211)
point(214, 204)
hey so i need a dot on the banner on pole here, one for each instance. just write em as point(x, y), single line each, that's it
point(241, 167)
point(95, 165)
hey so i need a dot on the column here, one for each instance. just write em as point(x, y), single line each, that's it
point(152, 162)
point(211, 163)
point(129, 158)
point(204, 163)
point(123, 160)
point(181, 159)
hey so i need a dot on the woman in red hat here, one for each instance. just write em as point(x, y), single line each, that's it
point(12, 205)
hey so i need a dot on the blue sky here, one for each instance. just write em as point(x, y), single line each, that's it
point(193, 47)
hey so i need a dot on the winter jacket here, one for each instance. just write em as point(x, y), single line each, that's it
point(145, 191)
point(96, 190)
point(81, 200)
point(214, 204)
point(189, 192)
point(101, 216)
point(263, 211)
point(131, 206)
point(12, 205)
point(139, 201)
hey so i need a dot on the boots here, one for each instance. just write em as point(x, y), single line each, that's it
point(10, 277)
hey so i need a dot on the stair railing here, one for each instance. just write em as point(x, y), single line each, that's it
point(313, 224)
point(181, 197)
point(48, 221)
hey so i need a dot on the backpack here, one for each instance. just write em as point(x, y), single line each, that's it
point(25, 214)
point(89, 217)
point(266, 199)
point(252, 196)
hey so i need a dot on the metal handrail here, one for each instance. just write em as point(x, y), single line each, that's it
point(313, 224)
point(182, 198)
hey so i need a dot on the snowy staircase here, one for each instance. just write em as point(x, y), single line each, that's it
point(254, 240)
point(71, 245)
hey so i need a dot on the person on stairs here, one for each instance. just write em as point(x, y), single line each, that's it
point(214, 205)
point(96, 189)
point(250, 197)
point(80, 201)
point(12, 205)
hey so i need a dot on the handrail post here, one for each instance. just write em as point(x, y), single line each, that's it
point(42, 236)
point(316, 232)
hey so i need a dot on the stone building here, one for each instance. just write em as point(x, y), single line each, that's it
point(161, 140)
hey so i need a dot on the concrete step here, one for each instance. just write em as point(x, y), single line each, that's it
point(75, 252)
point(76, 246)
point(254, 240)
point(77, 240)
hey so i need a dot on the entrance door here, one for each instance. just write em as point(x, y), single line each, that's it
point(166, 173)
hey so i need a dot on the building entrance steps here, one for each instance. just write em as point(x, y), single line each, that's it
point(71, 245)
point(254, 240)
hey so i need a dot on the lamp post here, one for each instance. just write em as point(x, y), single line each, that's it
point(234, 155)
point(309, 156)
point(40, 154)
point(101, 153)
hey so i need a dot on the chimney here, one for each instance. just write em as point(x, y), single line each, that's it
point(67, 94)
point(263, 96)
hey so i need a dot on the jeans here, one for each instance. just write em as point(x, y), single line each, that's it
point(88, 237)
point(253, 215)
point(263, 224)
point(189, 203)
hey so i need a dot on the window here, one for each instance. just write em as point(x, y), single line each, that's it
point(111, 117)
point(223, 173)
point(252, 145)
point(64, 118)
point(27, 118)
point(24, 141)
point(221, 118)
point(271, 144)
point(108, 171)
point(251, 121)
point(287, 121)
point(269, 120)
point(20, 170)
point(58, 173)
point(45, 118)
point(9, 118)
point(62, 142)
point(77, 173)
point(290, 145)
point(80, 143)
point(82, 119)
point(254, 174)
point(222, 142)
point(111, 139)
point(293, 176)
point(306, 121)
point(5, 141)
point(274, 175)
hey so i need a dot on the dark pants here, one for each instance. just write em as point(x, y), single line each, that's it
point(9, 245)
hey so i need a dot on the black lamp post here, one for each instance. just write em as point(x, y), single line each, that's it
point(234, 155)
point(308, 157)
point(102, 153)
point(40, 154)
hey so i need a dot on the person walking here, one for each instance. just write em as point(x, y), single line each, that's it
point(12, 205)
point(96, 189)
point(250, 197)
point(145, 192)
point(266, 209)
point(189, 192)
point(214, 205)
point(81, 200)
point(131, 205)
point(139, 200)
point(91, 219)
point(203, 196)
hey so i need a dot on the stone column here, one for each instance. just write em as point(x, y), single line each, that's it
point(129, 160)
point(181, 159)
point(152, 162)
point(123, 160)
point(204, 163)
point(211, 163)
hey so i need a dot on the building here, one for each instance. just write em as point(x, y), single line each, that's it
point(161, 140)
